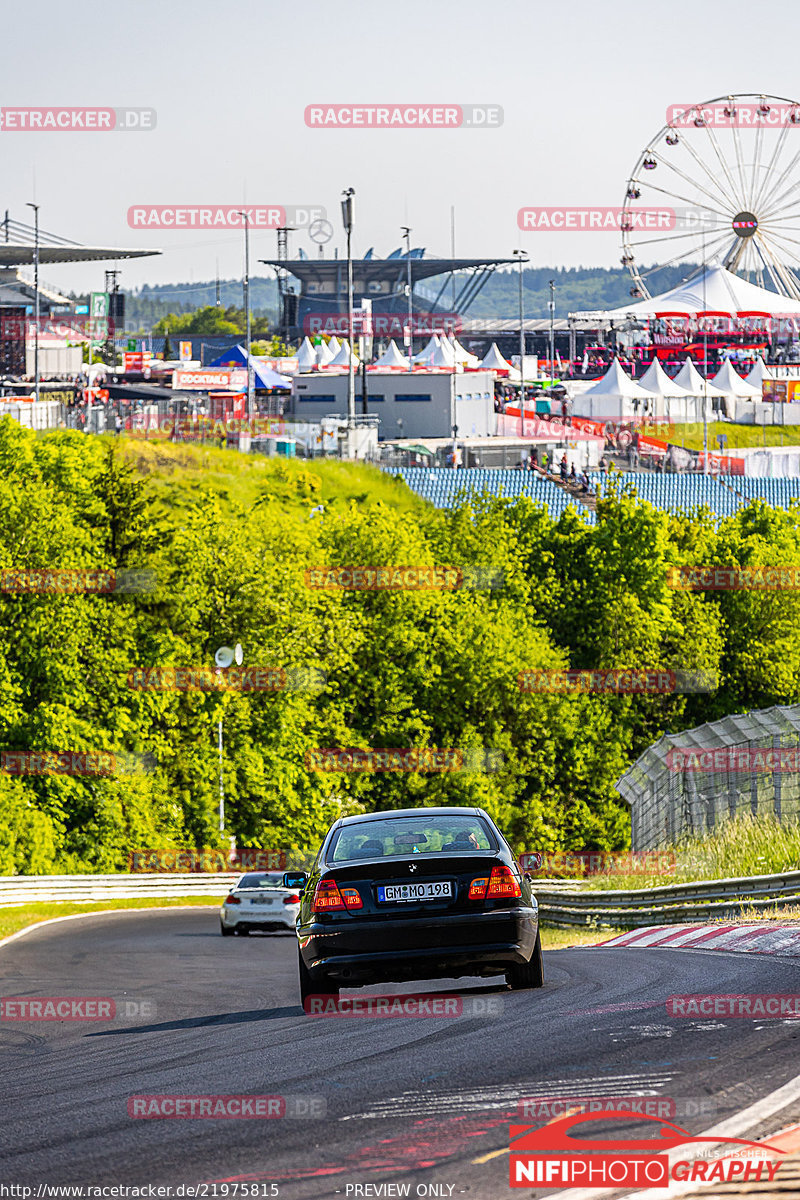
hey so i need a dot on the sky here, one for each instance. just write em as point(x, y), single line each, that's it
point(583, 88)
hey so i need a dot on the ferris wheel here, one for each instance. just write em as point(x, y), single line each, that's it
point(728, 171)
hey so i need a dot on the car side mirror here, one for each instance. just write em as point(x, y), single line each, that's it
point(296, 880)
point(531, 863)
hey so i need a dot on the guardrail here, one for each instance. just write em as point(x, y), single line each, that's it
point(668, 905)
point(28, 889)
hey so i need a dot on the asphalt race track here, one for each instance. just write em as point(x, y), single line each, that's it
point(422, 1101)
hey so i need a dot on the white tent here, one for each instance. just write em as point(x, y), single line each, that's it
point(758, 374)
point(616, 396)
point(730, 382)
point(344, 356)
point(392, 359)
point(494, 361)
point(443, 355)
point(428, 351)
point(463, 356)
point(334, 345)
point(656, 379)
point(711, 290)
point(325, 355)
point(692, 382)
point(306, 356)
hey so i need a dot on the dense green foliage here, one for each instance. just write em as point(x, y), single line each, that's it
point(230, 540)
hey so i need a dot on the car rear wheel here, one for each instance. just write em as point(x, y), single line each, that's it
point(224, 930)
point(530, 974)
point(310, 986)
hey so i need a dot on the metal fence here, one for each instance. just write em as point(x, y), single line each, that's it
point(690, 784)
point(669, 905)
point(32, 889)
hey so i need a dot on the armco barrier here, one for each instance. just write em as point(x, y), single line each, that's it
point(28, 889)
point(672, 904)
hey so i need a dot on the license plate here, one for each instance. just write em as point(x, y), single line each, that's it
point(261, 900)
point(400, 893)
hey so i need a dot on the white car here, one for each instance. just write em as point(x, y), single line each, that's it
point(259, 901)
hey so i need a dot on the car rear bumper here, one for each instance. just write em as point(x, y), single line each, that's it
point(445, 945)
point(256, 918)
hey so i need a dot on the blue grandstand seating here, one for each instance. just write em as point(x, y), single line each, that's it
point(442, 486)
point(672, 492)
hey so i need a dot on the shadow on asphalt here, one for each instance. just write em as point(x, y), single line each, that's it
point(236, 1018)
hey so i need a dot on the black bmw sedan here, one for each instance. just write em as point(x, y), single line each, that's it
point(418, 893)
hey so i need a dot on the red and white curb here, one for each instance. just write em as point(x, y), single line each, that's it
point(762, 937)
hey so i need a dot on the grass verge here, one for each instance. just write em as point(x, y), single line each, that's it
point(14, 919)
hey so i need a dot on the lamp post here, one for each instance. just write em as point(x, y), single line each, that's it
point(246, 219)
point(521, 258)
point(407, 234)
point(224, 658)
point(35, 208)
point(347, 219)
point(552, 329)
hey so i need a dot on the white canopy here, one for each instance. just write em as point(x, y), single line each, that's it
point(494, 361)
point(711, 290)
point(730, 382)
point(656, 379)
point(463, 356)
point(443, 355)
point(306, 356)
point(343, 358)
point(692, 382)
point(758, 374)
point(616, 383)
point(334, 345)
point(428, 351)
point(392, 358)
point(324, 354)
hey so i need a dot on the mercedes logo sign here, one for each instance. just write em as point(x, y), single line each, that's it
point(320, 231)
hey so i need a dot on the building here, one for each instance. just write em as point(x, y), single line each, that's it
point(317, 303)
point(425, 404)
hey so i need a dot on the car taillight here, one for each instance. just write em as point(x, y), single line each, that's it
point(351, 897)
point(327, 897)
point(291, 899)
point(502, 884)
point(232, 900)
point(477, 889)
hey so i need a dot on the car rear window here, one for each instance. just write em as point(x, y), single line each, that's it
point(394, 837)
point(275, 879)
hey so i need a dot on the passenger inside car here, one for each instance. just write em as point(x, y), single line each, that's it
point(463, 840)
point(371, 848)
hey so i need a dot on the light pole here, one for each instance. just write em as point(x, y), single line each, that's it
point(347, 219)
point(246, 218)
point(521, 258)
point(552, 329)
point(35, 208)
point(224, 658)
point(407, 234)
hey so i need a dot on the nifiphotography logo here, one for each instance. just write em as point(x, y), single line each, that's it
point(548, 1156)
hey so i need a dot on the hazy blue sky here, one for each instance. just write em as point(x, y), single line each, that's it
point(584, 85)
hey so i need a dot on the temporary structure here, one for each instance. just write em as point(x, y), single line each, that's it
point(344, 356)
point(693, 383)
point(494, 361)
point(656, 379)
point(758, 374)
point(391, 359)
point(428, 351)
point(325, 354)
point(463, 356)
point(306, 356)
point(617, 397)
point(730, 382)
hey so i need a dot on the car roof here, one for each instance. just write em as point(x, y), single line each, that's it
point(443, 810)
